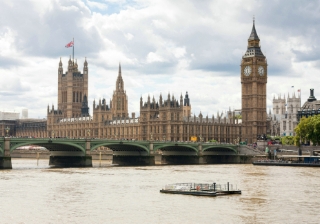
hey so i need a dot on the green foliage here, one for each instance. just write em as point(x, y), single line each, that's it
point(238, 116)
point(287, 140)
point(308, 130)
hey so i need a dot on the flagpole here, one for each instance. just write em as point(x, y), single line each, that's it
point(73, 50)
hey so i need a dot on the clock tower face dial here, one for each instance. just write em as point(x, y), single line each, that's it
point(247, 70)
point(261, 70)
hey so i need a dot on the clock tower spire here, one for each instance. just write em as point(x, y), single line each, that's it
point(254, 89)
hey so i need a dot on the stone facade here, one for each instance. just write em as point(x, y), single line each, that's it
point(254, 76)
point(284, 119)
point(167, 118)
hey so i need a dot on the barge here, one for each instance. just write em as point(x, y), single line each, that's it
point(200, 189)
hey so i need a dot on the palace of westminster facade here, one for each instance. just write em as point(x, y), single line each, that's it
point(167, 118)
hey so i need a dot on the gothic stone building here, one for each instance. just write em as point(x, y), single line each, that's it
point(285, 111)
point(167, 118)
point(254, 89)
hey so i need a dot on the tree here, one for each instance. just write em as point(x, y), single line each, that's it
point(287, 140)
point(308, 130)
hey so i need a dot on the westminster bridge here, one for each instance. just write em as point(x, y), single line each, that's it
point(66, 152)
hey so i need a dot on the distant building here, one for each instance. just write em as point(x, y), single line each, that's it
point(285, 112)
point(24, 114)
point(310, 108)
point(9, 116)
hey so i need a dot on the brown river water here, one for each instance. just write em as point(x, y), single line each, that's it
point(31, 193)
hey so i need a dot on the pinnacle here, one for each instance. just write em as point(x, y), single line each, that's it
point(253, 35)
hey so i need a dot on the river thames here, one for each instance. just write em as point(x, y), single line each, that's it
point(32, 193)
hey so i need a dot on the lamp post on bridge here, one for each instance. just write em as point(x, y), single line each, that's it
point(164, 138)
point(7, 130)
point(52, 134)
point(88, 133)
point(151, 136)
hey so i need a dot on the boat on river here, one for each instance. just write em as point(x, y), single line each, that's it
point(200, 189)
point(286, 163)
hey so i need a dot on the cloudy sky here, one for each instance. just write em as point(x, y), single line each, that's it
point(163, 46)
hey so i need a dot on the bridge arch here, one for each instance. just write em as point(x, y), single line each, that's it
point(121, 146)
point(50, 144)
point(171, 145)
point(220, 149)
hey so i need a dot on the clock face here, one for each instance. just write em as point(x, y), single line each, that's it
point(261, 70)
point(247, 70)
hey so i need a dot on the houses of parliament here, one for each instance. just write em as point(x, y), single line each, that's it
point(167, 118)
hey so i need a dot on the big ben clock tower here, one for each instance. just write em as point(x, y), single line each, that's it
point(254, 90)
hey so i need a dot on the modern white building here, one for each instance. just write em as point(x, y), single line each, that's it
point(5, 115)
point(24, 114)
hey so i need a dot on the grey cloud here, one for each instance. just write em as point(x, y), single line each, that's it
point(312, 55)
point(6, 62)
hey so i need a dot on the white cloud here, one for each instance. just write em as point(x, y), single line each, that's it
point(153, 57)
point(163, 46)
point(97, 5)
point(129, 36)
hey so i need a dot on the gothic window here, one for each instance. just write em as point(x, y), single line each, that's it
point(289, 125)
point(277, 109)
point(284, 125)
point(172, 116)
point(291, 108)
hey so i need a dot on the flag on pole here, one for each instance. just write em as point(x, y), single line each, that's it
point(69, 44)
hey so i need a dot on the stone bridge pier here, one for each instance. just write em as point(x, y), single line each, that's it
point(5, 158)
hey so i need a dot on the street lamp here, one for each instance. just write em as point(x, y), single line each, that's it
point(151, 136)
point(88, 133)
point(52, 134)
point(164, 138)
point(7, 130)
